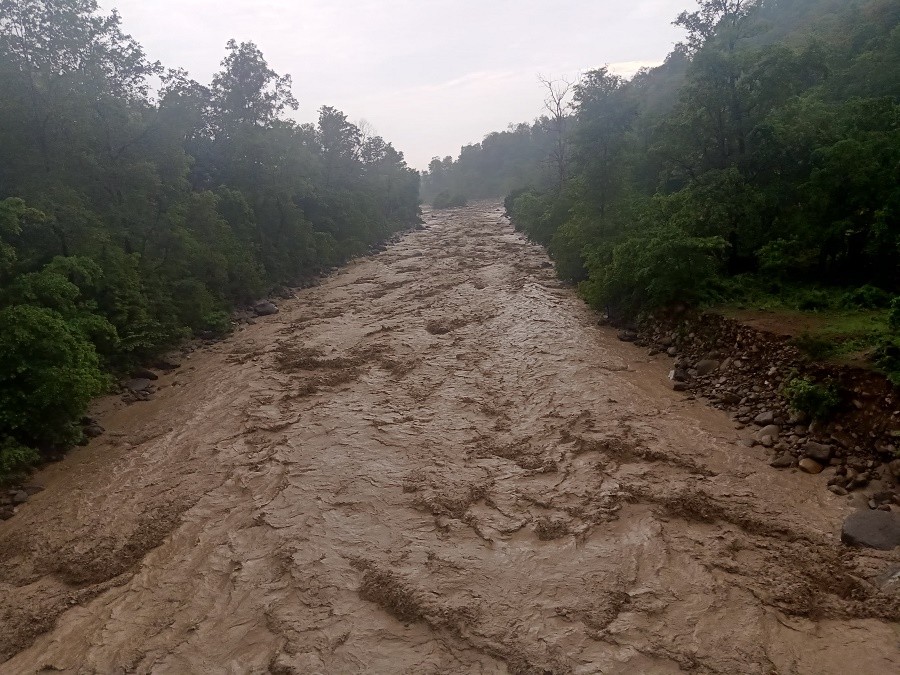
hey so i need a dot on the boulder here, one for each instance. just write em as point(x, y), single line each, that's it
point(265, 308)
point(818, 451)
point(286, 293)
point(765, 418)
point(19, 497)
point(872, 529)
point(810, 466)
point(138, 384)
point(894, 468)
point(784, 461)
point(772, 430)
point(706, 366)
point(166, 364)
point(627, 336)
point(93, 430)
point(144, 374)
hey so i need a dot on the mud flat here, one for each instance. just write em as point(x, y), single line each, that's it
point(434, 462)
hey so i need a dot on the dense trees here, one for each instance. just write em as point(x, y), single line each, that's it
point(763, 154)
point(130, 221)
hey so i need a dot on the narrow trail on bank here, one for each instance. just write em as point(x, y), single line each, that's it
point(434, 462)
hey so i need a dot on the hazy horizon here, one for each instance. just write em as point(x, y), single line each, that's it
point(429, 77)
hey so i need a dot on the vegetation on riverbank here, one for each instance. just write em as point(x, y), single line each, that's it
point(131, 219)
point(759, 165)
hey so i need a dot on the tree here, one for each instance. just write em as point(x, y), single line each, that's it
point(556, 103)
point(246, 91)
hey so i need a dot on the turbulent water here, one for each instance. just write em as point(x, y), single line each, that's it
point(434, 462)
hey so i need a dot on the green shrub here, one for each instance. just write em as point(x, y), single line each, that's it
point(866, 297)
point(804, 396)
point(887, 359)
point(894, 316)
point(567, 250)
point(49, 371)
point(654, 269)
point(15, 460)
point(813, 300)
point(786, 258)
point(814, 346)
point(218, 322)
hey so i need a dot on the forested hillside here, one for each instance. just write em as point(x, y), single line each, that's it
point(138, 206)
point(762, 159)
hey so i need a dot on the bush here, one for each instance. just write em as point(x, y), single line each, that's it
point(894, 316)
point(15, 460)
point(887, 359)
point(49, 371)
point(567, 250)
point(447, 200)
point(866, 297)
point(813, 300)
point(645, 272)
point(814, 346)
point(804, 396)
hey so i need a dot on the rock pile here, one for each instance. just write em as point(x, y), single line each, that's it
point(742, 370)
point(12, 499)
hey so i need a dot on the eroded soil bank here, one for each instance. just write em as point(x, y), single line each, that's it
point(434, 462)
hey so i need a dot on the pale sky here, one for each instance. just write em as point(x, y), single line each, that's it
point(427, 75)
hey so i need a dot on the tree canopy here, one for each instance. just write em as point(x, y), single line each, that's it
point(138, 206)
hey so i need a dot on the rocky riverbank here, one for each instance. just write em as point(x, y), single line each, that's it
point(743, 371)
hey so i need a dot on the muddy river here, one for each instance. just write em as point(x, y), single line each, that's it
point(433, 462)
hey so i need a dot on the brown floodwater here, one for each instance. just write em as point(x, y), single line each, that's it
point(433, 462)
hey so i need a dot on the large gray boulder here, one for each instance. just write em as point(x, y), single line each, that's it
point(872, 529)
point(265, 308)
point(706, 366)
point(818, 451)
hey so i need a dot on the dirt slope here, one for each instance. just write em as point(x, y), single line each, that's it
point(435, 462)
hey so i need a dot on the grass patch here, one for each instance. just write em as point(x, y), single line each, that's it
point(826, 325)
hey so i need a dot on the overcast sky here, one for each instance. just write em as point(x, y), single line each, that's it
point(428, 75)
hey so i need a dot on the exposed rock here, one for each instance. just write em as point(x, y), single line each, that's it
point(93, 430)
point(784, 461)
point(138, 384)
point(765, 418)
point(872, 529)
point(679, 386)
point(627, 336)
point(166, 364)
point(773, 430)
point(838, 490)
point(894, 468)
point(889, 580)
point(810, 466)
point(818, 451)
point(144, 374)
point(265, 308)
point(672, 351)
point(706, 366)
point(19, 496)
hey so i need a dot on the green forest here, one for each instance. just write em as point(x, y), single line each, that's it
point(758, 166)
point(138, 207)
